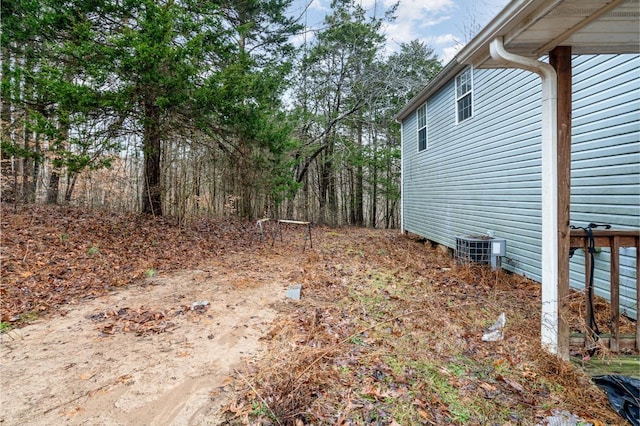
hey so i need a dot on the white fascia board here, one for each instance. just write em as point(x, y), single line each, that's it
point(514, 15)
point(490, 31)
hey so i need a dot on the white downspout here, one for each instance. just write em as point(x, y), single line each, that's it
point(402, 176)
point(550, 305)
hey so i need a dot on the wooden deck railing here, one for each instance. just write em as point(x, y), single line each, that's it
point(614, 239)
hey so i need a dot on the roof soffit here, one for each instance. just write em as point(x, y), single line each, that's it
point(588, 26)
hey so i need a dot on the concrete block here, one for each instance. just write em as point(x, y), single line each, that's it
point(293, 292)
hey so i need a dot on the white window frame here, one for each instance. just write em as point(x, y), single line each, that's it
point(464, 89)
point(421, 125)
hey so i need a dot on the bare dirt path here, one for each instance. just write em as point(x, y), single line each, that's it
point(68, 370)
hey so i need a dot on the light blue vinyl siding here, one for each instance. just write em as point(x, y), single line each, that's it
point(605, 176)
point(483, 174)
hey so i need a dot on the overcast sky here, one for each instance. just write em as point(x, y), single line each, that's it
point(445, 25)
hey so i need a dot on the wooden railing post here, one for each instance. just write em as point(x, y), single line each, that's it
point(615, 239)
point(587, 283)
point(615, 294)
point(560, 60)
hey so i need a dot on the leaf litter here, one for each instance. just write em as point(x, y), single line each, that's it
point(55, 257)
point(389, 330)
point(142, 320)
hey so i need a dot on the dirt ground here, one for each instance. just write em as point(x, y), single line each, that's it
point(67, 370)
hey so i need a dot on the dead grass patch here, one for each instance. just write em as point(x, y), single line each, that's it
point(389, 332)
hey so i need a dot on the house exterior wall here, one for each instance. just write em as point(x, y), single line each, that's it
point(483, 174)
point(605, 172)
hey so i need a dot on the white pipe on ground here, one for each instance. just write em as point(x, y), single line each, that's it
point(549, 267)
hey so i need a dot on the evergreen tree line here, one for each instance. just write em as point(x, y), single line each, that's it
point(190, 108)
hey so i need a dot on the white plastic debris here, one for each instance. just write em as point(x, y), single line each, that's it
point(496, 331)
point(199, 306)
point(563, 418)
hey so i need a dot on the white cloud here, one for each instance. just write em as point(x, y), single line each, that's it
point(433, 21)
point(424, 20)
point(400, 33)
point(318, 5)
point(448, 53)
point(419, 10)
point(445, 45)
point(303, 37)
point(414, 16)
point(440, 40)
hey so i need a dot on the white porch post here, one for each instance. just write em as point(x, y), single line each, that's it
point(550, 303)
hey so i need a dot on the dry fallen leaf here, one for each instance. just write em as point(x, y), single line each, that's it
point(424, 414)
point(73, 411)
point(123, 379)
point(87, 376)
point(515, 385)
point(236, 406)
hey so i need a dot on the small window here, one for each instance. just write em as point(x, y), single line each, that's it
point(464, 90)
point(422, 128)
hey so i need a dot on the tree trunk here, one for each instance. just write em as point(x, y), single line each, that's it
point(197, 177)
point(152, 192)
point(18, 95)
point(28, 182)
point(334, 218)
point(389, 203)
point(374, 186)
point(5, 93)
point(324, 189)
point(359, 183)
point(327, 198)
point(53, 190)
point(72, 177)
point(350, 185)
point(246, 184)
point(6, 169)
point(37, 160)
point(289, 211)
